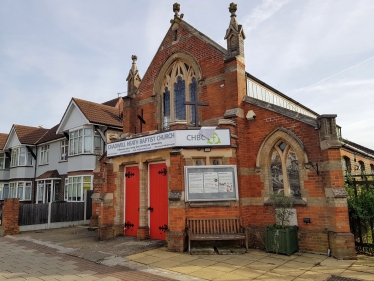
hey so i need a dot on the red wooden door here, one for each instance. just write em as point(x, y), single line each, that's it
point(158, 201)
point(132, 201)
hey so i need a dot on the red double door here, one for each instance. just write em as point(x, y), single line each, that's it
point(158, 201)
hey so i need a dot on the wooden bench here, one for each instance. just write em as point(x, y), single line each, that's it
point(215, 229)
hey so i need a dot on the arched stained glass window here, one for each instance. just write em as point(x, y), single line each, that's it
point(180, 85)
point(284, 169)
point(276, 172)
point(166, 104)
point(193, 94)
point(179, 98)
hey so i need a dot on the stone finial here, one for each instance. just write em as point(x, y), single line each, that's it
point(134, 68)
point(232, 9)
point(176, 9)
point(235, 35)
point(133, 79)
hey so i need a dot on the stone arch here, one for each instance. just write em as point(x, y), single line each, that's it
point(158, 88)
point(263, 159)
point(185, 57)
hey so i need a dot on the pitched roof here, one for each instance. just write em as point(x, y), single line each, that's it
point(112, 102)
point(29, 135)
point(51, 135)
point(99, 113)
point(358, 146)
point(52, 174)
point(3, 138)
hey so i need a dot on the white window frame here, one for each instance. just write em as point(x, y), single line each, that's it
point(175, 71)
point(17, 154)
point(64, 150)
point(44, 154)
point(17, 189)
point(81, 141)
point(3, 185)
point(2, 160)
point(74, 187)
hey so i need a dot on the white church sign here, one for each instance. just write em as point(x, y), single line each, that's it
point(177, 138)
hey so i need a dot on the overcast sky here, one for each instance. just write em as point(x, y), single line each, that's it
point(320, 53)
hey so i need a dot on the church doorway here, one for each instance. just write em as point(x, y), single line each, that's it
point(158, 201)
point(131, 200)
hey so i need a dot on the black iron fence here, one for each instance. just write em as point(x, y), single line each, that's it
point(361, 211)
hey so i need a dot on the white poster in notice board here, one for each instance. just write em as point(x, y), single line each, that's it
point(211, 183)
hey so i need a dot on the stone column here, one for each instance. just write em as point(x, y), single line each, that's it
point(143, 230)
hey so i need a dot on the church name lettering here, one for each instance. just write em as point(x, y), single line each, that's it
point(195, 137)
point(177, 138)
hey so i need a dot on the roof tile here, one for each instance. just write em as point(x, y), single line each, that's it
point(3, 138)
point(51, 135)
point(29, 135)
point(99, 113)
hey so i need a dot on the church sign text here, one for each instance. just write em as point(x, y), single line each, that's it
point(177, 138)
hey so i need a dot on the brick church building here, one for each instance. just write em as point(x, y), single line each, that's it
point(203, 138)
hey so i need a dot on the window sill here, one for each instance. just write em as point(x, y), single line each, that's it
point(209, 204)
point(28, 166)
point(82, 154)
point(44, 164)
point(296, 202)
point(62, 161)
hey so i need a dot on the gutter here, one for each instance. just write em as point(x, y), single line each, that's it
point(357, 150)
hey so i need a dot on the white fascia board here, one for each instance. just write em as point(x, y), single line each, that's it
point(66, 116)
point(51, 141)
point(12, 133)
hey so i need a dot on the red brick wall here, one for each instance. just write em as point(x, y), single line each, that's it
point(10, 217)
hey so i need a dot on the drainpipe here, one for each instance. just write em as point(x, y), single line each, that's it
point(328, 242)
point(36, 163)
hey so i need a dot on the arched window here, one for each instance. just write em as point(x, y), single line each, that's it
point(346, 163)
point(180, 85)
point(361, 167)
point(284, 170)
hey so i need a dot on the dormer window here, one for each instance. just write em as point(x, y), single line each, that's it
point(180, 85)
point(4, 161)
point(21, 157)
point(83, 141)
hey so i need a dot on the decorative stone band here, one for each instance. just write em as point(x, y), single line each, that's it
point(339, 192)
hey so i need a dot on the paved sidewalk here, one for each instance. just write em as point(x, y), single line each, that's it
point(125, 258)
point(25, 260)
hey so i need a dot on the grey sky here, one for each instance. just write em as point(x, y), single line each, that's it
point(320, 53)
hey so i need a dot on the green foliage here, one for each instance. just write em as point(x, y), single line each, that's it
point(283, 212)
point(361, 205)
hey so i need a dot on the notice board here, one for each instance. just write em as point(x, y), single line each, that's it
point(211, 183)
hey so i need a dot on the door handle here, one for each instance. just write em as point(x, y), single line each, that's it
point(150, 209)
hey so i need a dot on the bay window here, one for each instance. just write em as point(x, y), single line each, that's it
point(4, 161)
point(4, 191)
point(75, 186)
point(44, 154)
point(20, 157)
point(21, 190)
point(83, 141)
